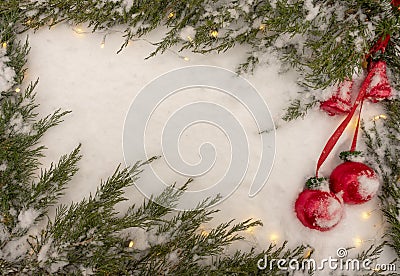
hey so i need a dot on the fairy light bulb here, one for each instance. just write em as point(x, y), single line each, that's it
point(378, 117)
point(186, 59)
point(262, 27)
point(171, 15)
point(358, 241)
point(190, 39)
point(354, 123)
point(204, 233)
point(4, 45)
point(103, 41)
point(17, 89)
point(250, 230)
point(308, 253)
point(214, 33)
point(131, 244)
point(366, 215)
point(273, 238)
point(78, 30)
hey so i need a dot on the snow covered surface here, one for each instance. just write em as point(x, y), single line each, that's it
point(27, 217)
point(6, 73)
point(368, 186)
point(333, 213)
point(98, 86)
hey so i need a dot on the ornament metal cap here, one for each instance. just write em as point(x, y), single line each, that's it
point(350, 155)
point(316, 183)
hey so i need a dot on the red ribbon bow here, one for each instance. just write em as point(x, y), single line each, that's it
point(380, 45)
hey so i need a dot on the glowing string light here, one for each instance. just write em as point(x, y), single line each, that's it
point(378, 117)
point(214, 33)
point(274, 238)
point(131, 244)
point(250, 230)
point(203, 231)
point(354, 123)
point(366, 215)
point(108, 31)
point(308, 253)
point(103, 41)
point(358, 242)
point(78, 30)
point(17, 90)
point(4, 45)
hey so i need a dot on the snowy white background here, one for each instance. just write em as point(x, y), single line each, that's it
point(98, 86)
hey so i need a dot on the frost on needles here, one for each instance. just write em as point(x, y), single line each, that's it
point(90, 236)
point(324, 39)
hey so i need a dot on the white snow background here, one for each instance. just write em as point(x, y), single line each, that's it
point(99, 85)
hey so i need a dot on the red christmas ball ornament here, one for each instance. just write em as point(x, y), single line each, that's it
point(340, 101)
point(379, 88)
point(395, 3)
point(318, 209)
point(357, 182)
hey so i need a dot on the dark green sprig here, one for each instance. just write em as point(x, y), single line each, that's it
point(91, 235)
point(327, 47)
point(383, 148)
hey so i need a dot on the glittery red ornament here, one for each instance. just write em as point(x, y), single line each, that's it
point(379, 87)
point(356, 182)
point(318, 209)
point(340, 102)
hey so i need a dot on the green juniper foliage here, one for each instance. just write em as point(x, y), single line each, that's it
point(326, 40)
point(383, 141)
point(90, 236)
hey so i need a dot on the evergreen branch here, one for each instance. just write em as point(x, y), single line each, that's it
point(90, 235)
point(326, 45)
point(299, 108)
point(386, 157)
point(53, 181)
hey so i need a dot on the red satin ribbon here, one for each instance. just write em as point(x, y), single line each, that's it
point(380, 45)
point(354, 142)
point(339, 131)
